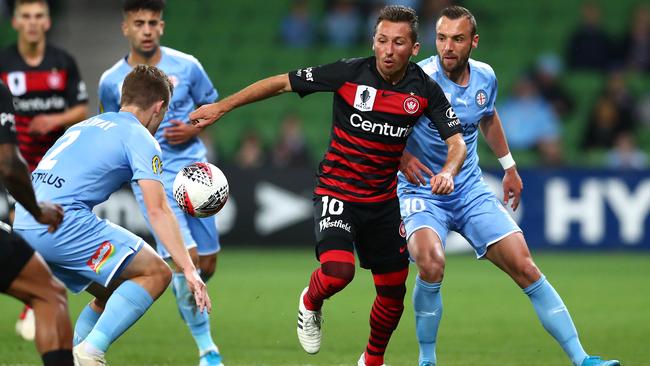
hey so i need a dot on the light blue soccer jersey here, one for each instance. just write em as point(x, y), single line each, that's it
point(192, 87)
point(471, 209)
point(471, 103)
point(93, 159)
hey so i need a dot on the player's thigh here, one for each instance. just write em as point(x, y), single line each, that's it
point(36, 281)
point(428, 217)
point(335, 224)
point(483, 220)
point(380, 246)
point(15, 253)
point(88, 250)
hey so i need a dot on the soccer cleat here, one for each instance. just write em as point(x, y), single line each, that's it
point(82, 358)
point(597, 361)
point(211, 358)
point(427, 363)
point(362, 360)
point(309, 326)
point(26, 324)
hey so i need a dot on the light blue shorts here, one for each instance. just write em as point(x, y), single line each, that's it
point(200, 233)
point(84, 249)
point(474, 212)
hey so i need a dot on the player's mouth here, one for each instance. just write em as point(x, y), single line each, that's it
point(389, 62)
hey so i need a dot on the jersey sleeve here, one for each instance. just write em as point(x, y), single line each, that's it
point(108, 96)
point(489, 110)
point(440, 112)
point(324, 78)
point(76, 92)
point(202, 91)
point(7, 119)
point(144, 155)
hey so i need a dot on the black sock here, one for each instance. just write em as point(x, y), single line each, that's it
point(59, 357)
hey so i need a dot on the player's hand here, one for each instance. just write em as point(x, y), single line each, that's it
point(180, 132)
point(442, 183)
point(412, 168)
point(512, 187)
point(51, 215)
point(42, 124)
point(207, 114)
point(198, 288)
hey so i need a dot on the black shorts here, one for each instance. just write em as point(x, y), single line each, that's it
point(14, 255)
point(372, 229)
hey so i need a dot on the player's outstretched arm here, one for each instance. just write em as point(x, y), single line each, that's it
point(166, 228)
point(492, 129)
point(15, 176)
point(443, 182)
point(266, 88)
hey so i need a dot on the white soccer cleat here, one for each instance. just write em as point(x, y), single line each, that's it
point(82, 358)
point(309, 326)
point(26, 324)
point(362, 360)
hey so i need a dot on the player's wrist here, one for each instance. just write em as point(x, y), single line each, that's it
point(507, 162)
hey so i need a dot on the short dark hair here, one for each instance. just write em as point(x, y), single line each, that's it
point(156, 6)
point(24, 2)
point(398, 14)
point(146, 85)
point(457, 12)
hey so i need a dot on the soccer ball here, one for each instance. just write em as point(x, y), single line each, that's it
point(201, 189)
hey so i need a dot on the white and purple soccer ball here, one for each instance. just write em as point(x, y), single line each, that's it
point(201, 189)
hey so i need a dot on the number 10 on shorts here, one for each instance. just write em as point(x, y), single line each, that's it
point(331, 206)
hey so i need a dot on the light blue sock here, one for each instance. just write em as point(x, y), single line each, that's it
point(85, 323)
point(125, 306)
point(427, 303)
point(198, 322)
point(555, 318)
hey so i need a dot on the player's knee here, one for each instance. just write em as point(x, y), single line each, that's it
point(528, 272)
point(431, 268)
point(207, 264)
point(162, 273)
point(341, 274)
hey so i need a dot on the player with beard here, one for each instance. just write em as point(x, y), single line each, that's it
point(472, 209)
point(377, 101)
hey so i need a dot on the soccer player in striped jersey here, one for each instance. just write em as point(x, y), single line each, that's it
point(143, 27)
point(472, 209)
point(377, 101)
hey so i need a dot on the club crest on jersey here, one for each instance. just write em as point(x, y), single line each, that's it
point(102, 254)
point(481, 98)
point(364, 98)
point(402, 229)
point(156, 165)
point(55, 80)
point(411, 105)
point(173, 79)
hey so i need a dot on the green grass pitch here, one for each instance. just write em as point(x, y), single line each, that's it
point(487, 319)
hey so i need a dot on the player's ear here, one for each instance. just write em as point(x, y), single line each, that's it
point(416, 49)
point(162, 27)
point(475, 41)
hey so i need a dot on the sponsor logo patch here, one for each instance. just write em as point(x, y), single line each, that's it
point(364, 98)
point(327, 223)
point(102, 254)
